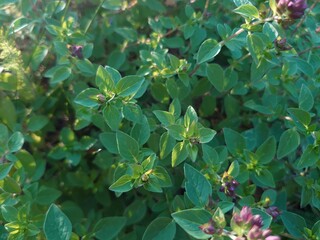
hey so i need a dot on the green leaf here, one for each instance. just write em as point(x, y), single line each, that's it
point(133, 113)
point(105, 81)
point(235, 141)
point(86, 68)
point(166, 118)
point(128, 147)
point(108, 228)
point(190, 117)
point(61, 73)
point(179, 154)
point(255, 46)
point(191, 219)
point(301, 117)
point(127, 33)
point(289, 141)
point(162, 176)
point(135, 212)
point(266, 152)
point(5, 169)
point(198, 188)
point(38, 56)
point(112, 115)
point(306, 99)
point(309, 158)
point(108, 140)
point(88, 98)
point(247, 10)
point(123, 184)
point(37, 122)
point(294, 223)
point(215, 75)
point(129, 85)
point(159, 229)
point(208, 50)
point(234, 169)
point(177, 132)
point(56, 226)
point(141, 131)
point(15, 142)
point(10, 185)
point(167, 143)
point(4, 134)
point(9, 213)
point(47, 195)
point(265, 177)
point(206, 135)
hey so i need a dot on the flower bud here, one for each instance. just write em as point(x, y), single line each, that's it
point(294, 9)
point(273, 211)
point(76, 51)
point(208, 228)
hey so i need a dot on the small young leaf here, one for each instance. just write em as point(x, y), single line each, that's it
point(105, 81)
point(123, 184)
point(179, 154)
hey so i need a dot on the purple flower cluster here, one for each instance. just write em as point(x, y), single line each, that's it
point(253, 224)
point(293, 8)
point(229, 187)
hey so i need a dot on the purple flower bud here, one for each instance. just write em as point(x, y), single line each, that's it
point(294, 9)
point(273, 211)
point(221, 189)
point(257, 221)
point(254, 233)
point(208, 228)
point(235, 183)
point(273, 238)
point(76, 51)
point(245, 214)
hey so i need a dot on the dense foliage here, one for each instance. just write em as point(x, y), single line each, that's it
point(150, 119)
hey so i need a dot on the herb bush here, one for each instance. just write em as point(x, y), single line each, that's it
point(155, 119)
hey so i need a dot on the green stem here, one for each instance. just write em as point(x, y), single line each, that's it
point(65, 11)
point(94, 16)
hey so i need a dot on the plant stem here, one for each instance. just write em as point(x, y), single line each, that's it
point(304, 17)
point(94, 16)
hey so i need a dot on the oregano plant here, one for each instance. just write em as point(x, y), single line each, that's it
point(150, 119)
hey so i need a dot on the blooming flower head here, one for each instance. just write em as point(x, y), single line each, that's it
point(294, 9)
